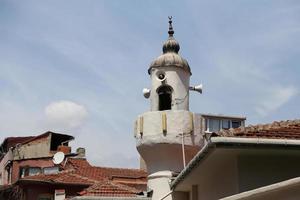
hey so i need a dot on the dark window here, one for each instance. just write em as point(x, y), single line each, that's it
point(225, 124)
point(236, 124)
point(214, 125)
point(165, 97)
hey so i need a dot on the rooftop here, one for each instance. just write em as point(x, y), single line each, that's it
point(99, 181)
point(289, 129)
point(283, 134)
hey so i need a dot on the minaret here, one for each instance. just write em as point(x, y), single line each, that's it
point(167, 136)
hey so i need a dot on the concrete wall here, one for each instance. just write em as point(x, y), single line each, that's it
point(34, 149)
point(179, 80)
point(162, 150)
point(261, 170)
point(4, 175)
point(219, 177)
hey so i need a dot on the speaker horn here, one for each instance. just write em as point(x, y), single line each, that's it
point(146, 93)
point(197, 88)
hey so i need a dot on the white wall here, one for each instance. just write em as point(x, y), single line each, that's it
point(179, 80)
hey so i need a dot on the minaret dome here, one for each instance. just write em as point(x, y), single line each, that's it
point(170, 77)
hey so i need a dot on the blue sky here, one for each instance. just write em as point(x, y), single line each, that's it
point(78, 67)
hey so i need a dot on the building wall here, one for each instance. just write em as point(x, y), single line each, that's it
point(226, 172)
point(159, 139)
point(4, 175)
point(219, 179)
point(47, 162)
point(261, 170)
point(34, 149)
point(179, 80)
point(34, 191)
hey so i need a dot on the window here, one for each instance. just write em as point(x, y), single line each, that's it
point(236, 124)
point(50, 170)
point(165, 97)
point(23, 172)
point(34, 171)
point(225, 124)
point(214, 125)
point(29, 171)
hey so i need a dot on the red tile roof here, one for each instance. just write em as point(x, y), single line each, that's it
point(76, 163)
point(289, 129)
point(108, 188)
point(65, 177)
point(100, 181)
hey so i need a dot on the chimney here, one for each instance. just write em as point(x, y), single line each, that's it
point(64, 149)
point(81, 152)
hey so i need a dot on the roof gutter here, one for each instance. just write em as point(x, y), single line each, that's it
point(259, 192)
point(256, 141)
point(215, 142)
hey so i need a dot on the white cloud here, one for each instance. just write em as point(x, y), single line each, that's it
point(65, 114)
point(275, 98)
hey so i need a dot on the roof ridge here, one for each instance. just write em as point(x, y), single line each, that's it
point(132, 169)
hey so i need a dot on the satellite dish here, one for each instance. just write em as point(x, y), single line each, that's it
point(58, 157)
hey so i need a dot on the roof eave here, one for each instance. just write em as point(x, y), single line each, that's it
point(34, 181)
point(216, 142)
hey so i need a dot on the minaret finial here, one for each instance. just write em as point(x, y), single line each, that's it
point(171, 31)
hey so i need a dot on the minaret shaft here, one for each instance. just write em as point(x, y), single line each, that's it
point(168, 134)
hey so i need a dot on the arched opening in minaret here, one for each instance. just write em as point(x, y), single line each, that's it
point(164, 97)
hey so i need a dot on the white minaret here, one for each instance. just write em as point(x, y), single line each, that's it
point(168, 136)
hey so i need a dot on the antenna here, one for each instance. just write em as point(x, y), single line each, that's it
point(58, 158)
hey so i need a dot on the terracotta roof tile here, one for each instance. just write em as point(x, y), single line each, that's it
point(289, 129)
point(65, 177)
point(101, 181)
point(108, 188)
point(76, 163)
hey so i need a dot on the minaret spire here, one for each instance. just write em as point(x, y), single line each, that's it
point(171, 45)
point(171, 31)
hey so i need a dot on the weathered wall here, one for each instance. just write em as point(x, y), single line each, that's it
point(34, 149)
point(4, 175)
point(47, 162)
point(163, 150)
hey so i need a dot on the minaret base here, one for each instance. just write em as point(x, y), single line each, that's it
point(159, 182)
